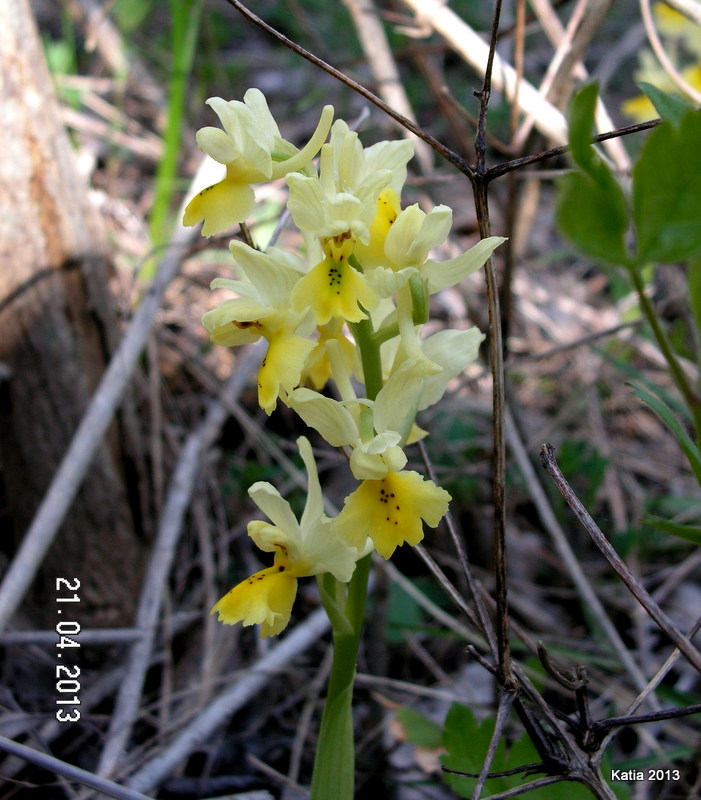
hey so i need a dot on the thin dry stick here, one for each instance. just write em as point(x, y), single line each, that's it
point(662, 56)
point(581, 29)
point(472, 48)
point(505, 701)
point(242, 690)
point(446, 619)
point(384, 69)
point(162, 554)
point(690, 8)
point(496, 361)
point(69, 771)
point(554, 30)
point(569, 559)
point(662, 671)
point(634, 586)
point(538, 783)
point(453, 158)
point(475, 589)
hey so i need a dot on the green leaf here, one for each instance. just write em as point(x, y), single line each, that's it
point(591, 207)
point(689, 532)
point(667, 193)
point(668, 106)
point(592, 215)
point(467, 742)
point(580, 122)
point(665, 413)
point(419, 730)
point(694, 284)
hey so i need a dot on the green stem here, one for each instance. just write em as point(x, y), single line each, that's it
point(690, 397)
point(185, 20)
point(334, 762)
point(369, 356)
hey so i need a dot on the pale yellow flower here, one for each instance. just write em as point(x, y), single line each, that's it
point(302, 548)
point(390, 511)
point(263, 309)
point(253, 151)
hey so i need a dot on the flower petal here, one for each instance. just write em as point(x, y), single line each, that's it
point(334, 289)
point(453, 350)
point(277, 509)
point(220, 206)
point(441, 274)
point(282, 366)
point(326, 415)
point(264, 598)
point(389, 511)
point(274, 274)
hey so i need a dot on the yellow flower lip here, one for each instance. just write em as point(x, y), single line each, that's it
point(390, 511)
point(265, 598)
point(305, 547)
point(334, 289)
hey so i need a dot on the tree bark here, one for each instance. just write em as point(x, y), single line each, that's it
point(57, 322)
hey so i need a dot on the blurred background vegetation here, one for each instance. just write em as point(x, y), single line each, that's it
point(132, 77)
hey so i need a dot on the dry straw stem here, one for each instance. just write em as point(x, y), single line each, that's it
point(379, 55)
point(473, 49)
point(567, 64)
point(690, 8)
point(69, 771)
point(162, 554)
point(661, 53)
point(242, 690)
point(638, 591)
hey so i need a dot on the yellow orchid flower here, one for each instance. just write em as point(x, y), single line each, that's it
point(390, 511)
point(317, 368)
point(253, 151)
point(263, 309)
point(333, 289)
point(342, 199)
point(302, 548)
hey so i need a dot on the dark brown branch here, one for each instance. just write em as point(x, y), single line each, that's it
point(526, 161)
point(655, 716)
point(445, 152)
point(547, 457)
point(496, 360)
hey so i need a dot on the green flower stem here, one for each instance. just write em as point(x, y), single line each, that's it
point(185, 21)
point(369, 356)
point(334, 762)
point(690, 397)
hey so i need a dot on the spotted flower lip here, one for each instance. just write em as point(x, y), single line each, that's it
point(302, 548)
point(390, 511)
point(249, 144)
point(333, 289)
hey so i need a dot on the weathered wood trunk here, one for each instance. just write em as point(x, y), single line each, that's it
point(57, 321)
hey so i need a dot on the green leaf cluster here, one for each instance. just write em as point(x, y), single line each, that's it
point(661, 220)
point(467, 740)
